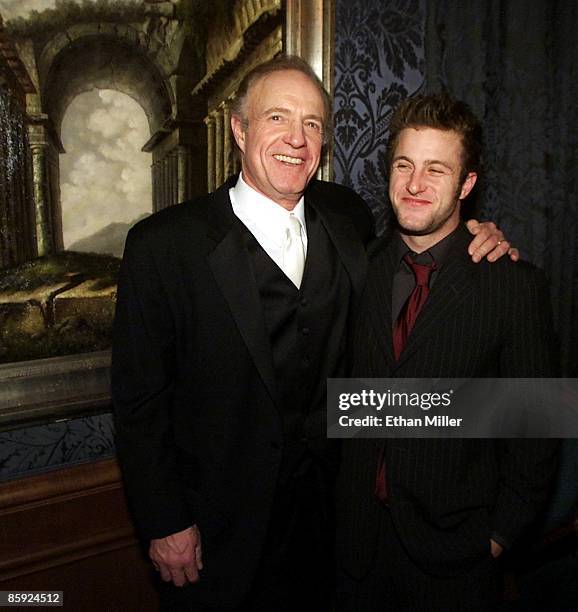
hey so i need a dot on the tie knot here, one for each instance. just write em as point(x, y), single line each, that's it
point(422, 272)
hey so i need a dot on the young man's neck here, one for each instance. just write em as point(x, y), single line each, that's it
point(419, 244)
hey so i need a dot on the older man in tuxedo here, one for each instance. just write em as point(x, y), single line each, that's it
point(421, 521)
point(232, 312)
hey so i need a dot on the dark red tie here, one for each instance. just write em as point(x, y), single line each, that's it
point(380, 489)
point(411, 309)
point(402, 330)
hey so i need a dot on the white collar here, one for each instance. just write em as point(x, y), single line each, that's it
point(261, 214)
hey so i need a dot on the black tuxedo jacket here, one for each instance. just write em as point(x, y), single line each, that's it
point(448, 496)
point(199, 432)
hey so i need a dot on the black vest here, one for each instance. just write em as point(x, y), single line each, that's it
point(307, 329)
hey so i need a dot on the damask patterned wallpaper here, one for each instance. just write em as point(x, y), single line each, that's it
point(379, 60)
point(36, 449)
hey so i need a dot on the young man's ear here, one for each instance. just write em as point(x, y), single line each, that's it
point(468, 185)
point(238, 131)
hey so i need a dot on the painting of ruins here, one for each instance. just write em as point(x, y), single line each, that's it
point(110, 110)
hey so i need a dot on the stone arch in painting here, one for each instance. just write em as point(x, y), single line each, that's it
point(154, 63)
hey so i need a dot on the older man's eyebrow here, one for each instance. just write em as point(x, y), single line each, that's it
point(275, 109)
point(316, 117)
point(286, 111)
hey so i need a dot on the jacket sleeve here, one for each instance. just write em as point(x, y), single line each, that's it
point(143, 379)
point(527, 466)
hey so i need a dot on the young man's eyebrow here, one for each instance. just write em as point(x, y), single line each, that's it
point(427, 162)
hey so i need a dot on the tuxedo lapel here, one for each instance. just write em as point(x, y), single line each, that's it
point(229, 262)
point(456, 283)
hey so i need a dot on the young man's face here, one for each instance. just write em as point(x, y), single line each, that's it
point(282, 144)
point(424, 185)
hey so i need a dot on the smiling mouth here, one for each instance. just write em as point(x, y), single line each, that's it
point(295, 161)
point(416, 201)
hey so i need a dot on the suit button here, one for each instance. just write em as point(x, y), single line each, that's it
point(275, 445)
point(304, 302)
point(305, 331)
point(306, 360)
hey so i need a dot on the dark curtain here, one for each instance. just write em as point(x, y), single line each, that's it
point(515, 62)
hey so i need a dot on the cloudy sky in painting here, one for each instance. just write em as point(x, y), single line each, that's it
point(104, 176)
point(21, 8)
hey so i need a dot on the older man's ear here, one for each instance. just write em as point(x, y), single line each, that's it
point(238, 131)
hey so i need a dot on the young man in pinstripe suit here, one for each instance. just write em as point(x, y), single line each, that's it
point(423, 521)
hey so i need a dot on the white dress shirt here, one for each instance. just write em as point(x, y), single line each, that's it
point(265, 219)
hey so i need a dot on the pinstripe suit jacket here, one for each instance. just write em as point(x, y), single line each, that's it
point(447, 496)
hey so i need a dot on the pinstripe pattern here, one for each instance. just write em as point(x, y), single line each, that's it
point(448, 496)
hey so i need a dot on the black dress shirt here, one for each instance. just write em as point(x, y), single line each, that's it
point(404, 279)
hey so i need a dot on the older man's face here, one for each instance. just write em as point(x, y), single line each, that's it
point(282, 144)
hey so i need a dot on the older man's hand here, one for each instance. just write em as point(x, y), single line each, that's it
point(496, 549)
point(178, 557)
point(489, 242)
